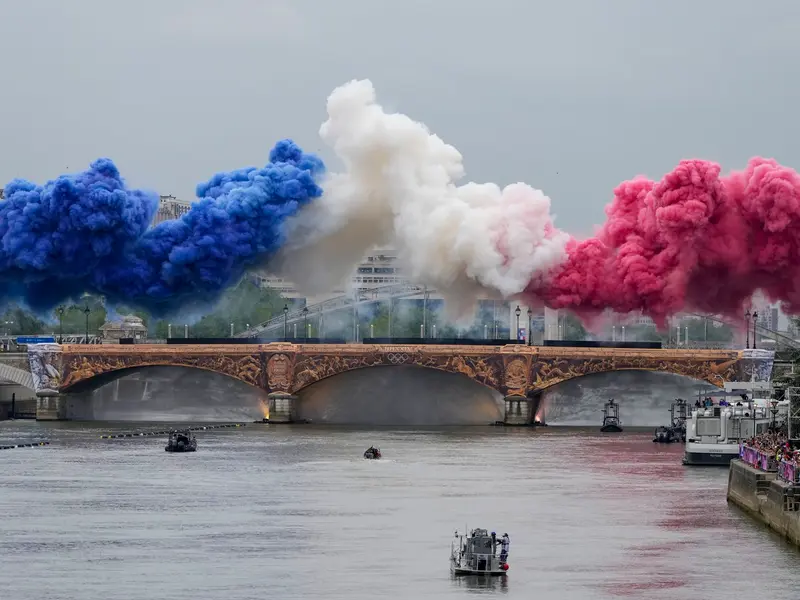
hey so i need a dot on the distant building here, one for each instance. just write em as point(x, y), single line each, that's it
point(169, 207)
point(2, 193)
point(129, 327)
point(377, 270)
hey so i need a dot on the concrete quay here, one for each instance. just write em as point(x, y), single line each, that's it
point(766, 498)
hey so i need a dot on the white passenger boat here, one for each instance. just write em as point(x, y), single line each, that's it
point(713, 433)
point(479, 553)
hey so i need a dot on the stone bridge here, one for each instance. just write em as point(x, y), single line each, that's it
point(518, 372)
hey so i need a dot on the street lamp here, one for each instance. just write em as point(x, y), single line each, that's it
point(285, 322)
point(755, 320)
point(86, 311)
point(774, 411)
point(305, 322)
point(517, 312)
point(60, 324)
point(747, 326)
point(530, 323)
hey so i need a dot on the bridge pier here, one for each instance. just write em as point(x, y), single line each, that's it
point(519, 410)
point(281, 407)
point(51, 408)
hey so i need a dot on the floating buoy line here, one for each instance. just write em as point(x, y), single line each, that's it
point(167, 432)
point(34, 445)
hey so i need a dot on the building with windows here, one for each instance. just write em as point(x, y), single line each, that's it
point(170, 207)
point(376, 270)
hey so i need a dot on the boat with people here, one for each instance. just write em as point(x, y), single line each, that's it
point(182, 440)
point(611, 420)
point(372, 453)
point(479, 553)
point(722, 420)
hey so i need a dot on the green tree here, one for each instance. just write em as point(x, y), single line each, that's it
point(702, 330)
point(18, 321)
point(573, 328)
point(73, 321)
point(242, 305)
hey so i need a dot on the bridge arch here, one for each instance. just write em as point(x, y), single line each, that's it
point(715, 380)
point(487, 372)
point(400, 395)
point(644, 396)
point(15, 367)
point(17, 375)
point(93, 382)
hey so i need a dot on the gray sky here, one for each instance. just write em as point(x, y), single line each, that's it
point(570, 96)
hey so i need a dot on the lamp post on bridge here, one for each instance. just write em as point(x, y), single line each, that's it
point(60, 312)
point(517, 312)
point(774, 411)
point(285, 322)
point(530, 325)
point(755, 320)
point(86, 311)
point(747, 327)
point(305, 322)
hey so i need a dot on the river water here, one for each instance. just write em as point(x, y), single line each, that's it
point(294, 512)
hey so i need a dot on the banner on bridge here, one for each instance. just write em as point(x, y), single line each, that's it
point(35, 340)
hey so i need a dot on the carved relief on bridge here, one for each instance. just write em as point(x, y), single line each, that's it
point(81, 363)
point(280, 368)
point(284, 367)
point(550, 371)
point(517, 375)
point(484, 369)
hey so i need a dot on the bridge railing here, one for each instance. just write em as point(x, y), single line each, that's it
point(292, 317)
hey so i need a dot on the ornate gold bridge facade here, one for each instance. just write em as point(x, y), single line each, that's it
point(284, 369)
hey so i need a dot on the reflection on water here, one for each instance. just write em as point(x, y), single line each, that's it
point(296, 512)
point(481, 585)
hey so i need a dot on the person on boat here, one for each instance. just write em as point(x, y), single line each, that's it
point(504, 544)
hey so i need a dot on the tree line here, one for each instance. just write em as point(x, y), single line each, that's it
point(247, 304)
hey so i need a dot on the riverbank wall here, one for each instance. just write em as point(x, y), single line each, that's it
point(766, 498)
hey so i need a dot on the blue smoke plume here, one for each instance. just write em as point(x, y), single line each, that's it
point(88, 233)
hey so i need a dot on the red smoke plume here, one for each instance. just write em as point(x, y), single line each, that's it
point(692, 241)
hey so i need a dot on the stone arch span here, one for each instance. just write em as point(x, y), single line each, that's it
point(87, 370)
point(95, 382)
point(400, 395)
point(486, 370)
point(644, 396)
point(549, 384)
point(15, 374)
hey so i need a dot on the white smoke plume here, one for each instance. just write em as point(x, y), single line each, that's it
point(398, 190)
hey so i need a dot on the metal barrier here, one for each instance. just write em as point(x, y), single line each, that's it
point(789, 471)
point(758, 459)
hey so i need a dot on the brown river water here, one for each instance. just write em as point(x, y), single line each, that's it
point(296, 512)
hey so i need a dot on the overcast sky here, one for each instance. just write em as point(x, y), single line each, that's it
point(570, 96)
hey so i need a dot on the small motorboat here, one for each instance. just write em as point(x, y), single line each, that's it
point(676, 431)
point(181, 441)
point(664, 435)
point(611, 420)
point(372, 453)
point(477, 553)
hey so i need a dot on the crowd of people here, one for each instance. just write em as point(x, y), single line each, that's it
point(775, 443)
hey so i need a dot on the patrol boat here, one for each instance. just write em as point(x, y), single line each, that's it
point(611, 420)
point(477, 554)
point(372, 453)
point(181, 441)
